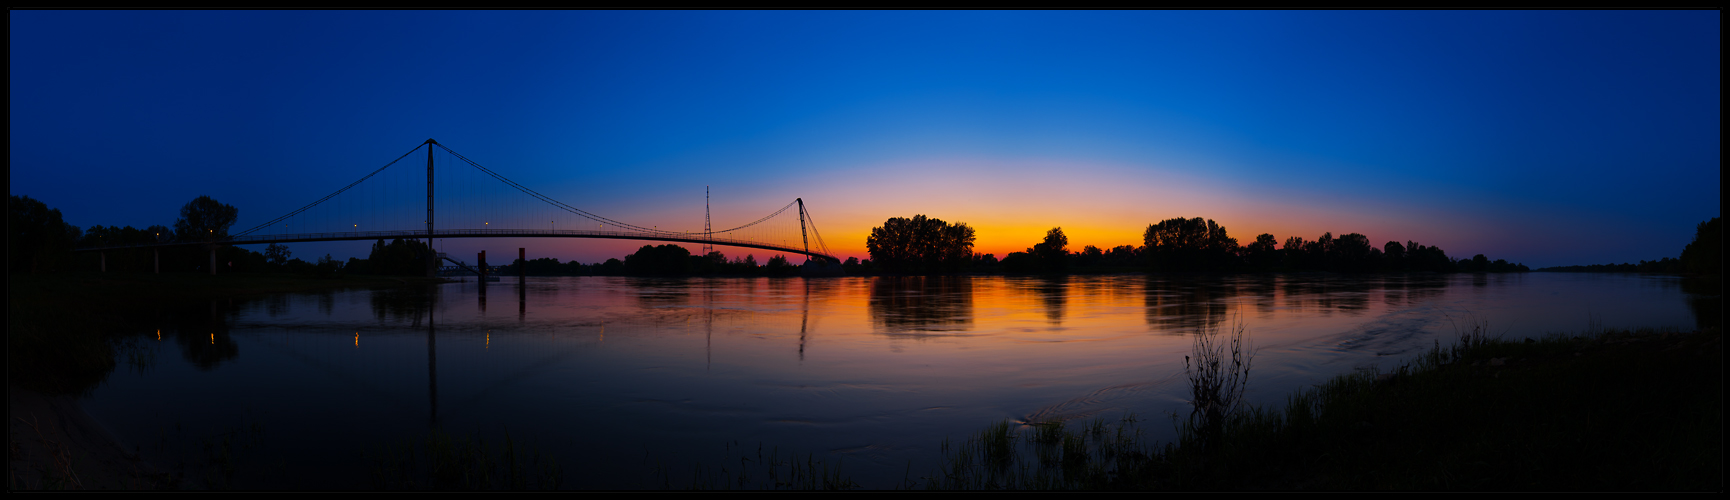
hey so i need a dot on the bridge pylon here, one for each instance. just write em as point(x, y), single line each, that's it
point(432, 261)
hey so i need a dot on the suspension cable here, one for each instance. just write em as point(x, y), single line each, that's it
point(332, 195)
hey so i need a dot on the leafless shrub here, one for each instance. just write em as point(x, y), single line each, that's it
point(1218, 374)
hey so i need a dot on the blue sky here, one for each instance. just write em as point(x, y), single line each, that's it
point(1548, 138)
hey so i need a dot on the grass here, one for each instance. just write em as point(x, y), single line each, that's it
point(443, 462)
point(1614, 410)
point(757, 471)
point(1045, 456)
point(58, 474)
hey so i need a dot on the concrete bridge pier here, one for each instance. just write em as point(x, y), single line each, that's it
point(156, 260)
point(213, 260)
point(104, 261)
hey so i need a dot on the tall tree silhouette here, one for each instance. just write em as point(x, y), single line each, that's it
point(920, 245)
point(1053, 252)
point(205, 219)
point(1705, 255)
point(1189, 245)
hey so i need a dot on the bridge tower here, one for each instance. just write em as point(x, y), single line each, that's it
point(432, 258)
point(708, 235)
point(802, 236)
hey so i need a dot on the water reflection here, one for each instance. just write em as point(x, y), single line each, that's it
point(1705, 299)
point(1329, 293)
point(922, 305)
point(662, 292)
point(1184, 304)
point(1053, 292)
point(406, 304)
point(1260, 290)
point(203, 334)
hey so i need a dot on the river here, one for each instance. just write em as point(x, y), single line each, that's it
point(638, 382)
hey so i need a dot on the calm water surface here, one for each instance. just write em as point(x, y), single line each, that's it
point(614, 376)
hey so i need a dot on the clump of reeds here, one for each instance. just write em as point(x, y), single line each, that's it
point(1097, 456)
point(1483, 413)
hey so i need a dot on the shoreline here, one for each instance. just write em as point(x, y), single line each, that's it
point(52, 443)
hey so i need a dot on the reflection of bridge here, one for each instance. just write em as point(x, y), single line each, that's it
point(486, 205)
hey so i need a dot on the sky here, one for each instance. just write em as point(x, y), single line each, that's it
point(1545, 138)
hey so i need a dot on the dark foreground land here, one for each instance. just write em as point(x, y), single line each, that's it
point(1606, 411)
point(1620, 410)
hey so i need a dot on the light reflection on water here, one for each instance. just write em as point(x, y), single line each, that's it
point(614, 375)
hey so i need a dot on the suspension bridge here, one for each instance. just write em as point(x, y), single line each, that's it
point(474, 201)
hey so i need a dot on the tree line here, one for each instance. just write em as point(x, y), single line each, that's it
point(923, 245)
point(39, 240)
point(662, 260)
point(1704, 255)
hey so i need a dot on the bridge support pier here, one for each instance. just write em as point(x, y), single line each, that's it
point(156, 260)
point(213, 260)
point(104, 263)
point(522, 264)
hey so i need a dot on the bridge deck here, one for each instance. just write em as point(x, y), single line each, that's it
point(696, 238)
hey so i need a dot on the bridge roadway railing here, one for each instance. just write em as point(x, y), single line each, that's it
point(471, 233)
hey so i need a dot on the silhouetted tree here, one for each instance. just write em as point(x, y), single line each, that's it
point(1353, 252)
point(1705, 255)
point(1424, 258)
point(778, 266)
point(664, 260)
point(399, 258)
point(204, 219)
point(1394, 256)
point(1189, 245)
point(920, 245)
point(1021, 262)
point(1261, 255)
point(1089, 256)
point(1294, 254)
point(326, 266)
point(1053, 253)
point(277, 255)
point(37, 238)
point(986, 262)
point(1125, 256)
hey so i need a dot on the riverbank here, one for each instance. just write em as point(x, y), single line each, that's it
point(1622, 410)
point(52, 444)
